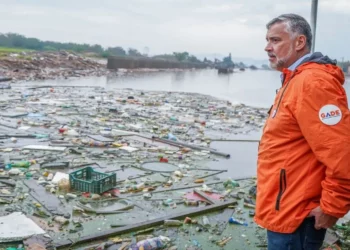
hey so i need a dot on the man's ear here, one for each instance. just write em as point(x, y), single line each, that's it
point(300, 42)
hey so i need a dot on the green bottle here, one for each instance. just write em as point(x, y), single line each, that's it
point(20, 164)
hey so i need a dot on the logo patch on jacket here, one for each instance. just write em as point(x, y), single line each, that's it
point(330, 114)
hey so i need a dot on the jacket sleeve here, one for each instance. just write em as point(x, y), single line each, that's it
point(323, 116)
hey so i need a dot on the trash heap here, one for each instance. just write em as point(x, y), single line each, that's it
point(87, 168)
point(38, 65)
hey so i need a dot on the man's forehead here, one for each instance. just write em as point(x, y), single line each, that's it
point(277, 29)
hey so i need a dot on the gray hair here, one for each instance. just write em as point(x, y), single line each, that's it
point(295, 24)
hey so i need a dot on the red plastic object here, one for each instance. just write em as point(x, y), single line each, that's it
point(86, 195)
point(62, 130)
point(195, 197)
point(163, 160)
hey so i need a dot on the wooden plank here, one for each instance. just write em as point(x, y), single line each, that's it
point(205, 196)
point(46, 199)
point(145, 224)
point(216, 173)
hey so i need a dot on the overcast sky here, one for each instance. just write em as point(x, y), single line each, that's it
point(164, 26)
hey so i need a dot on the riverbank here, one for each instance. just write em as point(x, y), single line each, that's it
point(28, 65)
point(33, 65)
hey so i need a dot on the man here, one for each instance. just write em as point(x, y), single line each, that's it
point(303, 183)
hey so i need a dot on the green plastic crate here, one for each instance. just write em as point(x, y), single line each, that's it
point(89, 180)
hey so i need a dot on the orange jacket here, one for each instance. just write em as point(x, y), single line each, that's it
point(304, 152)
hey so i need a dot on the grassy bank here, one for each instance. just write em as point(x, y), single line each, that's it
point(4, 51)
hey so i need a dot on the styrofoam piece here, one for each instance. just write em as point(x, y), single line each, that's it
point(16, 227)
point(129, 149)
point(59, 176)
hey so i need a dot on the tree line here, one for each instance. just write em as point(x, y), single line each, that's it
point(13, 40)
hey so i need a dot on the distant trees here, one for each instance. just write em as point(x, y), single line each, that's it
point(116, 51)
point(13, 40)
point(181, 56)
point(185, 57)
point(133, 52)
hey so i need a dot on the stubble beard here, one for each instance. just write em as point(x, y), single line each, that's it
point(281, 62)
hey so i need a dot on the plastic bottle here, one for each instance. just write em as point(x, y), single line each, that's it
point(232, 220)
point(172, 137)
point(172, 223)
point(206, 222)
point(137, 187)
point(151, 244)
point(168, 202)
point(20, 164)
point(229, 183)
point(41, 136)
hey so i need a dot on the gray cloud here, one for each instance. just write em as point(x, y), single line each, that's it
point(197, 26)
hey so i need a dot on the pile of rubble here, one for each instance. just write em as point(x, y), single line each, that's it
point(27, 66)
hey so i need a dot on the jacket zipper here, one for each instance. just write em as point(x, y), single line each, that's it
point(283, 187)
point(279, 101)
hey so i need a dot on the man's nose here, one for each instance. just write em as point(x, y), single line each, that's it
point(268, 47)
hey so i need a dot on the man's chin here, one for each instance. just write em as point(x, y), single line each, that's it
point(273, 66)
point(276, 66)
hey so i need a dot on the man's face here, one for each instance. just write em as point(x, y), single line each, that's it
point(280, 46)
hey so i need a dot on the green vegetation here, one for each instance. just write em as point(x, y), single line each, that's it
point(11, 50)
point(4, 51)
point(13, 43)
point(185, 57)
